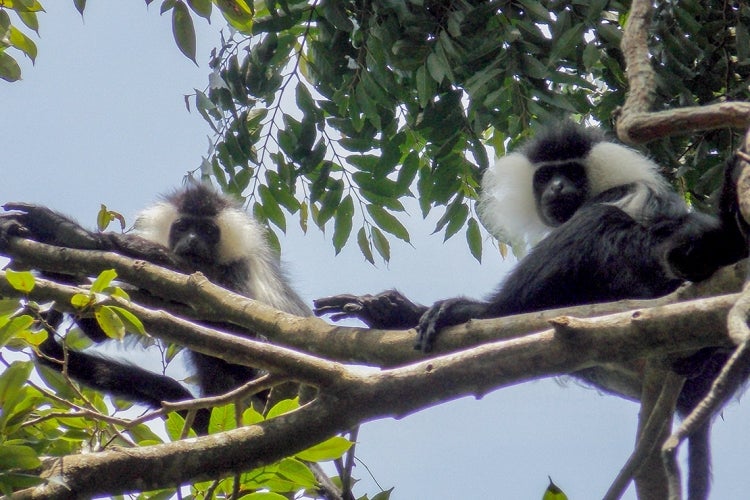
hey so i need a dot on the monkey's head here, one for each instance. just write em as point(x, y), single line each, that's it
point(559, 190)
point(204, 227)
point(529, 192)
point(195, 234)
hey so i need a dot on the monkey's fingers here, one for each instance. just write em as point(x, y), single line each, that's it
point(427, 329)
point(335, 303)
point(344, 306)
point(34, 212)
point(445, 313)
point(11, 226)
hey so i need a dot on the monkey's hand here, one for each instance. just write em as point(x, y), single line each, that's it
point(10, 227)
point(444, 313)
point(41, 224)
point(389, 309)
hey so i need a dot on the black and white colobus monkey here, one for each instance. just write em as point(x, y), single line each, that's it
point(608, 227)
point(194, 229)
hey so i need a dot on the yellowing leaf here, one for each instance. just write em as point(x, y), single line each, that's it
point(103, 280)
point(110, 322)
point(23, 43)
point(81, 300)
point(23, 281)
point(329, 449)
point(553, 492)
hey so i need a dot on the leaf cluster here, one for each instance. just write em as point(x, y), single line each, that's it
point(59, 418)
point(701, 56)
point(13, 38)
point(340, 111)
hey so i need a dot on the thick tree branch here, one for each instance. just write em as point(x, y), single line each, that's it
point(347, 396)
point(636, 123)
point(354, 397)
point(208, 302)
point(653, 426)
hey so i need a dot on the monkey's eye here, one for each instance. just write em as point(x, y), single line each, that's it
point(209, 230)
point(180, 225)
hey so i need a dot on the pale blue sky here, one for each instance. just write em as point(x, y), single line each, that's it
point(101, 119)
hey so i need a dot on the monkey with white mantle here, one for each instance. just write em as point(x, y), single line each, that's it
point(606, 226)
point(195, 228)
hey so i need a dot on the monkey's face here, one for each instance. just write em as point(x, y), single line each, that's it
point(195, 239)
point(559, 190)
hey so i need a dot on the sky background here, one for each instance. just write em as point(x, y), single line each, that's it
point(101, 118)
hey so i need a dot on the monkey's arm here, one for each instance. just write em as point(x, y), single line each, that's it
point(703, 245)
point(47, 226)
point(389, 309)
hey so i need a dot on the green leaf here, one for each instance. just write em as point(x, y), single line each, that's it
point(568, 43)
point(23, 281)
point(110, 322)
point(474, 239)
point(254, 118)
point(223, 418)
point(103, 281)
point(304, 212)
point(436, 67)
point(24, 5)
point(8, 306)
point(174, 425)
point(252, 416)
point(342, 226)
point(408, 171)
point(22, 43)
point(381, 244)
point(167, 5)
point(335, 13)
point(30, 20)
point(533, 68)
point(456, 221)
point(129, 320)
point(183, 30)
point(144, 436)
point(330, 449)
point(271, 208)
point(201, 7)
point(13, 378)
point(536, 9)
point(18, 457)
point(450, 213)
point(282, 407)
point(388, 222)
point(330, 201)
point(383, 495)
point(553, 492)
point(264, 495)
point(367, 105)
point(80, 5)
point(364, 245)
point(238, 13)
point(426, 86)
point(14, 327)
point(5, 25)
point(591, 55)
point(298, 473)
point(81, 300)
